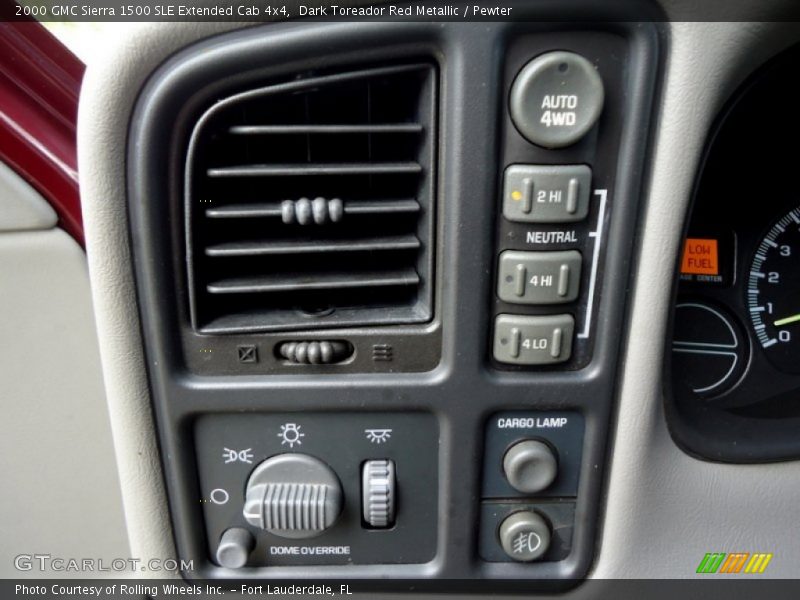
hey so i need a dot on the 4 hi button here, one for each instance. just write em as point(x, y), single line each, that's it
point(556, 99)
point(539, 277)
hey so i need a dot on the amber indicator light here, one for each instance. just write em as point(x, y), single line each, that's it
point(700, 257)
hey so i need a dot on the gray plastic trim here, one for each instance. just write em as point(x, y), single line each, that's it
point(60, 492)
point(21, 207)
point(110, 87)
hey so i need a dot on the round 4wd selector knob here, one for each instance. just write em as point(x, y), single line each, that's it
point(556, 99)
point(530, 466)
point(293, 496)
point(525, 536)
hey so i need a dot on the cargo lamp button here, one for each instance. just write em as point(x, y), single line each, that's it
point(530, 466)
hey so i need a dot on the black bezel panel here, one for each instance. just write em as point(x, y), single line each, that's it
point(598, 151)
point(457, 383)
point(339, 440)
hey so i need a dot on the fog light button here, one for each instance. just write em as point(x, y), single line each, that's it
point(525, 536)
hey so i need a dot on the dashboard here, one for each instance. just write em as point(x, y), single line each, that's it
point(464, 307)
point(333, 335)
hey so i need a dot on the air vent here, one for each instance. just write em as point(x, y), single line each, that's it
point(310, 204)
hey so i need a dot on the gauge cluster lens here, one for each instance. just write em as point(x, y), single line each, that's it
point(733, 393)
point(708, 355)
point(773, 293)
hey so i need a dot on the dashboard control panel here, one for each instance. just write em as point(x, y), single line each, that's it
point(555, 205)
point(416, 386)
point(319, 488)
point(530, 482)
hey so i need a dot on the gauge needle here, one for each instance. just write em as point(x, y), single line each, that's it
point(787, 320)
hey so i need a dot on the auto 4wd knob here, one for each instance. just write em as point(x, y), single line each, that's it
point(293, 496)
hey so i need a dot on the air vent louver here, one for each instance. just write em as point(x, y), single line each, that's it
point(310, 204)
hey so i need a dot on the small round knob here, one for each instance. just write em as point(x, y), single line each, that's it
point(530, 466)
point(378, 493)
point(293, 496)
point(235, 547)
point(524, 536)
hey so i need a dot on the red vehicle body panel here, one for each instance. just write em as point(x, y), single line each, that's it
point(39, 84)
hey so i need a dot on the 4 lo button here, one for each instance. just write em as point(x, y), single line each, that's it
point(533, 340)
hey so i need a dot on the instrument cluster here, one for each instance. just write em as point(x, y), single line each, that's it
point(735, 347)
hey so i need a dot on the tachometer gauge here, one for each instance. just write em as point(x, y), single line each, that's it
point(773, 293)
